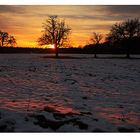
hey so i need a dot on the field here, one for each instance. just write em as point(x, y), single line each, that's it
point(83, 94)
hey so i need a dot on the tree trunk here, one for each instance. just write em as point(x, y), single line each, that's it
point(95, 51)
point(56, 51)
point(95, 56)
point(2, 42)
point(127, 55)
point(128, 49)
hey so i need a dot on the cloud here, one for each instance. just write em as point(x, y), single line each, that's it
point(125, 11)
point(25, 21)
point(12, 9)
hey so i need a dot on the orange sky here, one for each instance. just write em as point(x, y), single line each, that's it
point(25, 22)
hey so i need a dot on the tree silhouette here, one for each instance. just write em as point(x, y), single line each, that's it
point(6, 39)
point(3, 38)
point(96, 39)
point(124, 33)
point(55, 32)
point(11, 41)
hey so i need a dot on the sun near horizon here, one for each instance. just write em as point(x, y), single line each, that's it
point(25, 22)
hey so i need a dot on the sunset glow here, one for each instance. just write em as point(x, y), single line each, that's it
point(52, 46)
point(25, 22)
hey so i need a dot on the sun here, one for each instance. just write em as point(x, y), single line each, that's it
point(52, 46)
point(48, 46)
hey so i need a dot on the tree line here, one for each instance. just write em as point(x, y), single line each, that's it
point(124, 35)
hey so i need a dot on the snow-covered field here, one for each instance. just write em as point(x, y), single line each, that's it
point(69, 95)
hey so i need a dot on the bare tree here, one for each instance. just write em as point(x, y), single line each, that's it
point(3, 38)
point(96, 39)
point(55, 32)
point(6, 39)
point(124, 33)
point(11, 41)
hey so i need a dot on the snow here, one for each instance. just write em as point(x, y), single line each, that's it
point(40, 94)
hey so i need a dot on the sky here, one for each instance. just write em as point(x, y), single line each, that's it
point(25, 21)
